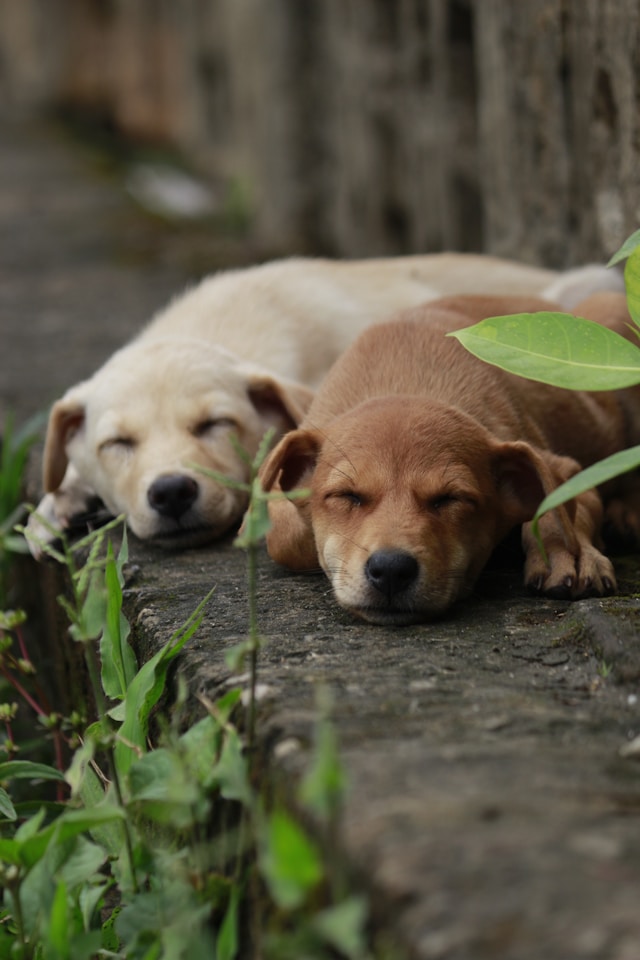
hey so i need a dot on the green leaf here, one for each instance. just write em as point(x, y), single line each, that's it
point(323, 786)
point(164, 790)
point(10, 851)
point(234, 656)
point(227, 942)
point(77, 771)
point(256, 523)
point(555, 348)
point(593, 476)
point(70, 824)
point(28, 770)
point(147, 687)
point(7, 809)
point(118, 659)
point(632, 285)
point(343, 927)
point(58, 927)
point(90, 623)
point(290, 862)
point(232, 772)
point(83, 863)
point(626, 249)
point(199, 746)
point(90, 897)
point(30, 827)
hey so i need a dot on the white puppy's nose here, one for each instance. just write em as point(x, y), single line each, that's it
point(172, 495)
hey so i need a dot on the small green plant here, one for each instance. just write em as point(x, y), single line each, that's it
point(313, 911)
point(571, 352)
point(604, 669)
point(162, 847)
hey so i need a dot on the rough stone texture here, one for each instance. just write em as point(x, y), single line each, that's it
point(490, 812)
point(369, 126)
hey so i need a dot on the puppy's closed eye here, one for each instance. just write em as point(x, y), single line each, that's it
point(205, 427)
point(442, 502)
point(119, 444)
point(346, 498)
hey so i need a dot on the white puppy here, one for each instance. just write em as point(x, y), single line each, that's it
point(233, 356)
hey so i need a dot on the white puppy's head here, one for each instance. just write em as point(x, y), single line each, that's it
point(135, 429)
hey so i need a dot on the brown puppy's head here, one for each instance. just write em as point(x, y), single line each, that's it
point(138, 430)
point(408, 500)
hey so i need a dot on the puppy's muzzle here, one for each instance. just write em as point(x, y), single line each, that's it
point(391, 572)
point(172, 495)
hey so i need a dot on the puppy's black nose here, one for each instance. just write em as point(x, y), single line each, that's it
point(172, 495)
point(391, 571)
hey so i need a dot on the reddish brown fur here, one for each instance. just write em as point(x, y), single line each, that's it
point(413, 448)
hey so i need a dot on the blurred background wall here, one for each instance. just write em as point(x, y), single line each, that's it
point(359, 127)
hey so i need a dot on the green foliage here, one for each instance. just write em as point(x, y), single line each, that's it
point(126, 864)
point(290, 862)
point(14, 451)
point(570, 352)
point(555, 348)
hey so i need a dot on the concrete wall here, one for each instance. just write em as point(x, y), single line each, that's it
point(367, 126)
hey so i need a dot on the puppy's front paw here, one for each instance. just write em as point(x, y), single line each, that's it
point(570, 577)
point(43, 526)
point(71, 509)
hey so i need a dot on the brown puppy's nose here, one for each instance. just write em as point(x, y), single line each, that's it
point(172, 495)
point(391, 571)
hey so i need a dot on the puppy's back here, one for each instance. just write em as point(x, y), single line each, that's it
point(413, 355)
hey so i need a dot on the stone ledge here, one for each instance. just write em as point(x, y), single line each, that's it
point(487, 794)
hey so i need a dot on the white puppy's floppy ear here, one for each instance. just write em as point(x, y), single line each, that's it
point(281, 403)
point(66, 418)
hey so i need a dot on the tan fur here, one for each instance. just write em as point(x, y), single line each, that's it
point(237, 354)
point(420, 459)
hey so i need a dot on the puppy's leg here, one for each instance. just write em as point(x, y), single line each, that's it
point(68, 506)
point(574, 568)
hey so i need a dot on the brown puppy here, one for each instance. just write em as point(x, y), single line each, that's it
point(420, 459)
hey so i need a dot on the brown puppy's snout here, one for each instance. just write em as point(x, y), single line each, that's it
point(391, 572)
point(172, 495)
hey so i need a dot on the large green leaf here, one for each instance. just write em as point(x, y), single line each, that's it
point(555, 348)
point(632, 284)
point(593, 476)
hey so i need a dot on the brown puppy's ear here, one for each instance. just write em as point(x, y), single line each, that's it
point(525, 476)
point(291, 462)
point(65, 419)
point(290, 466)
point(281, 403)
